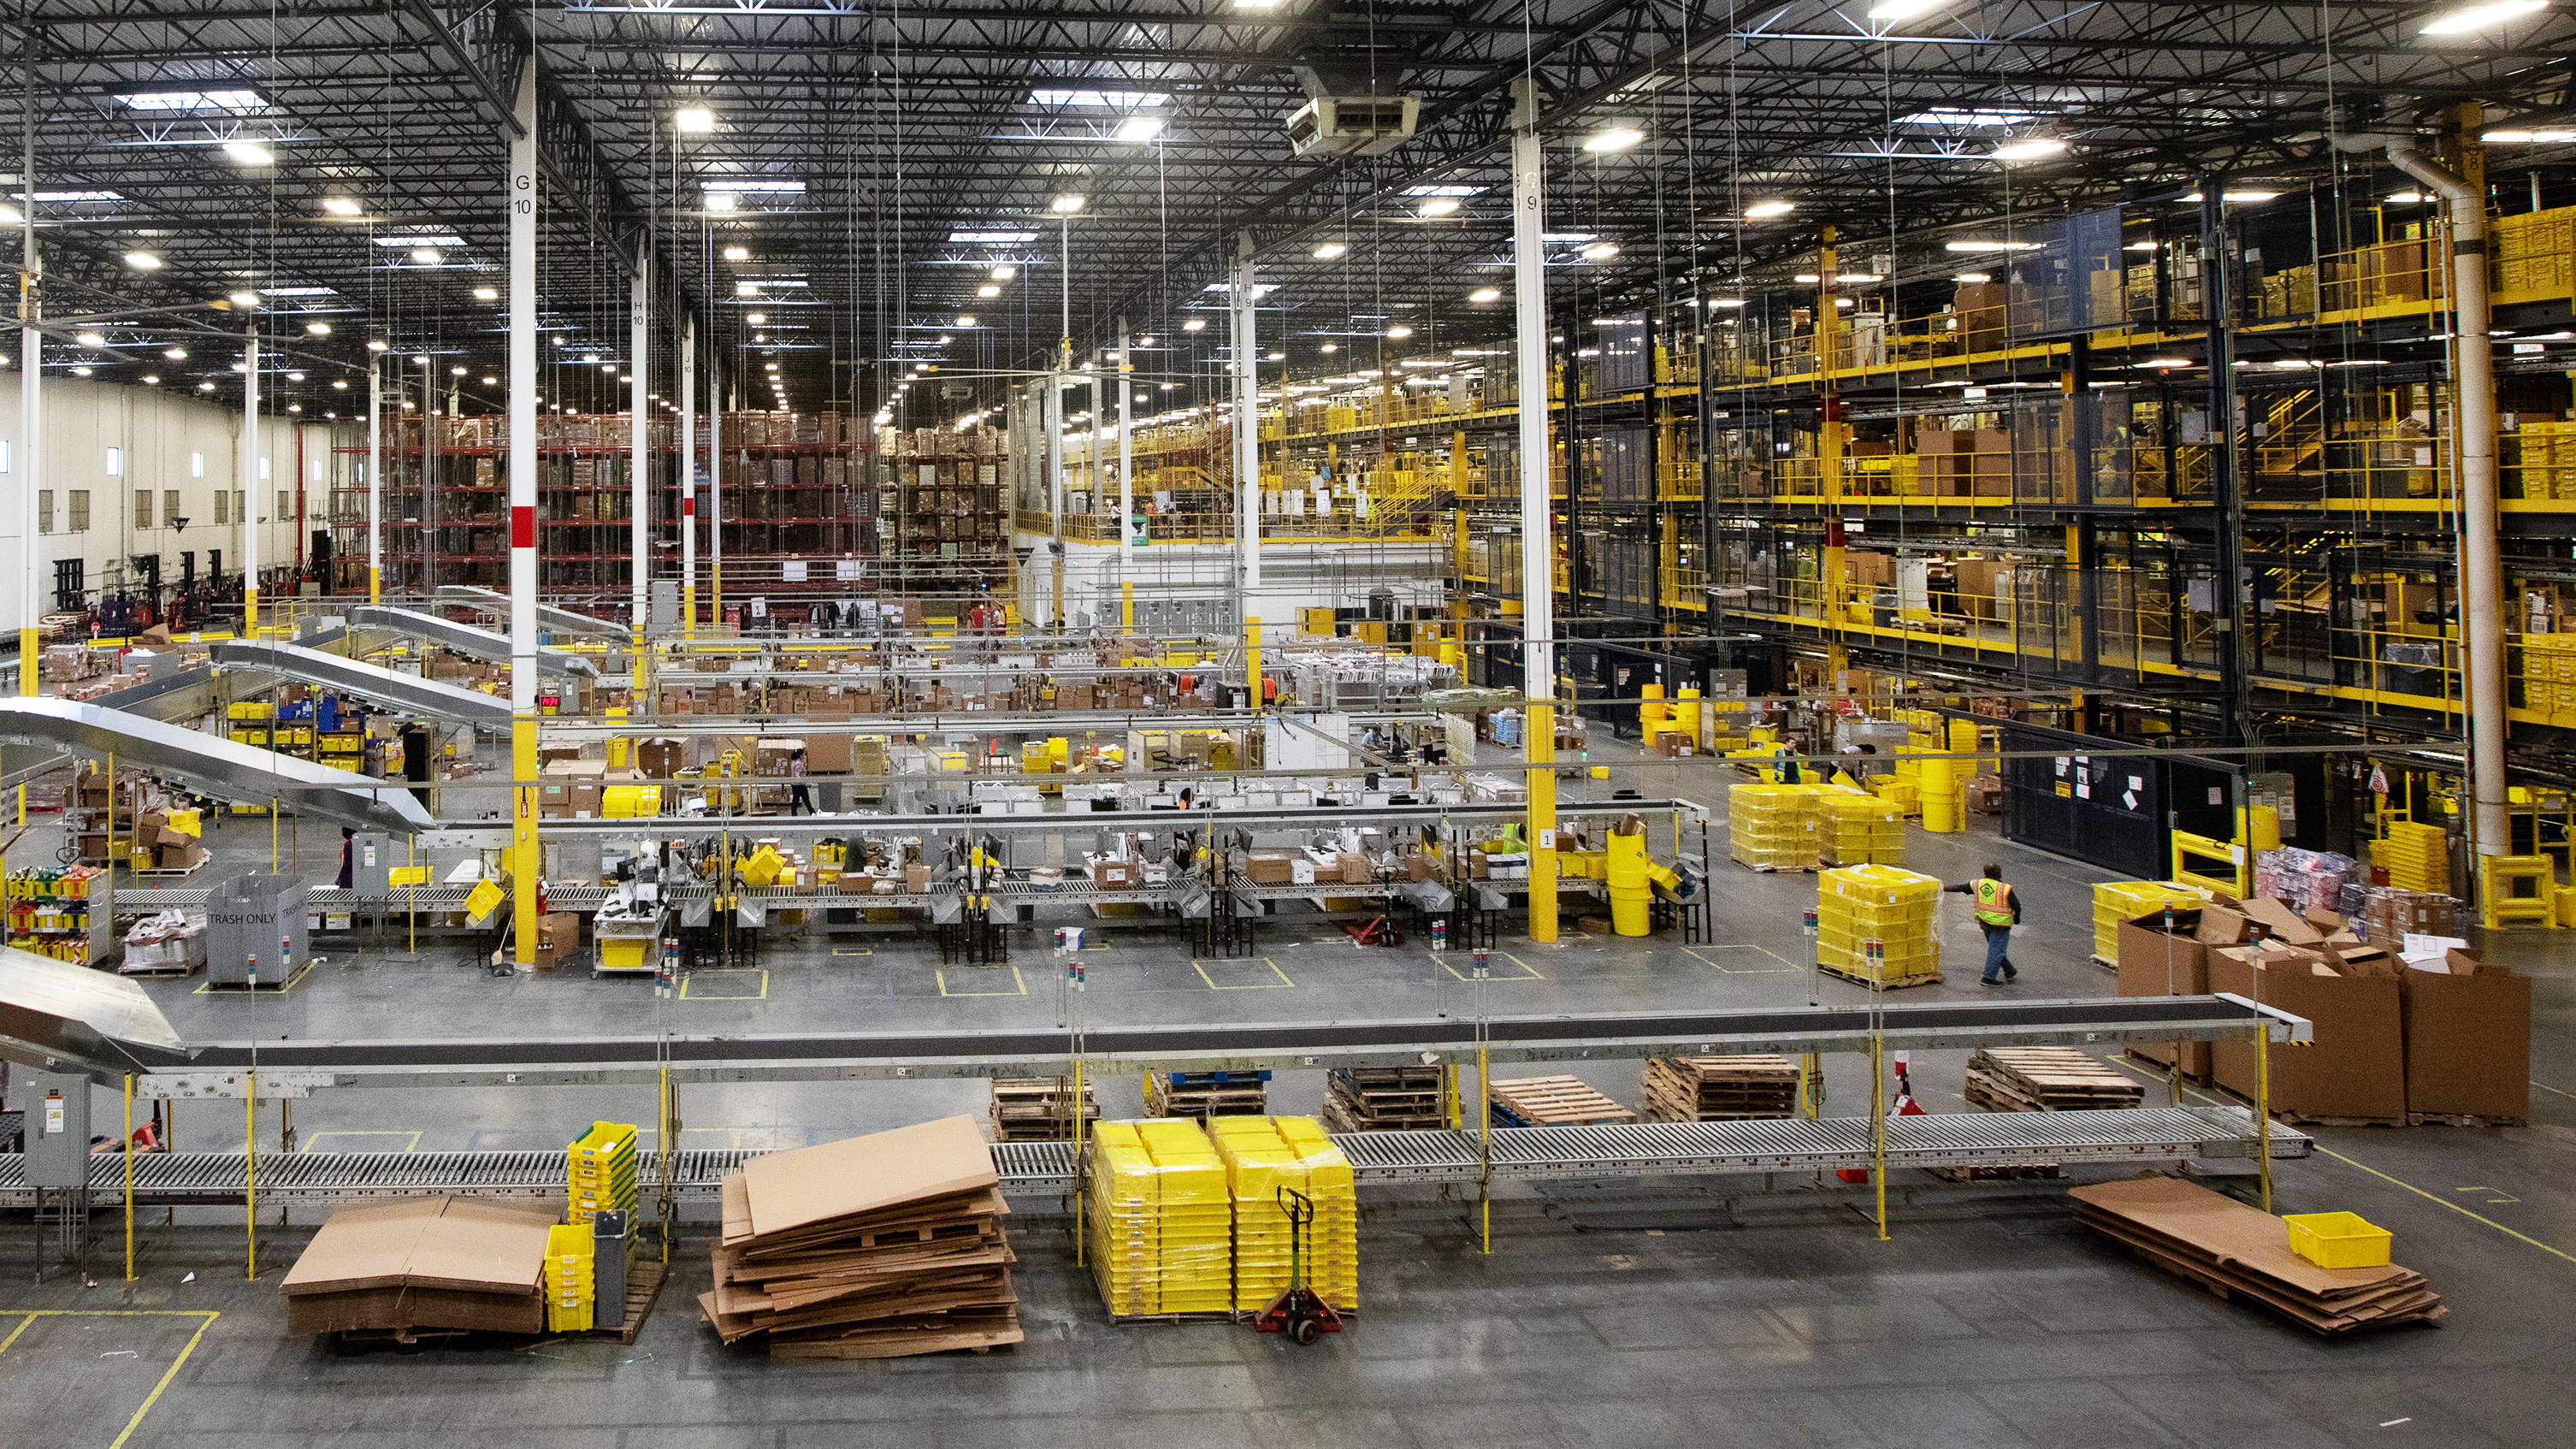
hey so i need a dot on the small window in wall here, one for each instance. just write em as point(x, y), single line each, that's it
point(116, 462)
point(223, 506)
point(241, 506)
point(196, 465)
point(44, 510)
point(285, 504)
point(263, 470)
point(170, 506)
point(143, 508)
point(79, 510)
point(317, 470)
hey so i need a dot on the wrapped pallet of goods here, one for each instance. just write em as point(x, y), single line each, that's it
point(1263, 1155)
point(1874, 925)
point(1860, 829)
point(1160, 1224)
point(1774, 827)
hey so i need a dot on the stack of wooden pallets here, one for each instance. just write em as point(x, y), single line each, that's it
point(1383, 1099)
point(2046, 1079)
point(2237, 1251)
point(1038, 1109)
point(1550, 1102)
point(1207, 1094)
point(873, 1247)
point(1719, 1089)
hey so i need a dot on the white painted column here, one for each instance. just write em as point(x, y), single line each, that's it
point(1126, 459)
point(527, 868)
point(253, 487)
point(715, 482)
point(1538, 544)
point(375, 479)
point(29, 474)
point(639, 349)
point(1244, 295)
point(689, 477)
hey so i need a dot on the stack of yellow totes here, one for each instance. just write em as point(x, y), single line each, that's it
point(1773, 827)
point(572, 1290)
point(600, 1171)
point(2115, 901)
point(1157, 1223)
point(1861, 829)
point(1260, 1159)
point(1861, 904)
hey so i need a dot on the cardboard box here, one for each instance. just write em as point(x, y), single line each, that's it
point(2468, 1040)
point(661, 759)
point(2357, 1066)
point(2218, 925)
point(1115, 875)
point(1269, 867)
point(1356, 870)
point(558, 938)
point(2155, 964)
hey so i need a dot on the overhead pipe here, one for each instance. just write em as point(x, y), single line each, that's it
point(2481, 555)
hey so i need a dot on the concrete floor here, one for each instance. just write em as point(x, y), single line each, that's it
point(1645, 1313)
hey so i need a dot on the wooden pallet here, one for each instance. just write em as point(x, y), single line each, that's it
point(1719, 1089)
point(1893, 983)
point(644, 1280)
point(2108, 964)
point(159, 973)
point(1775, 869)
point(2046, 1079)
point(2296, 1118)
point(2462, 1119)
point(268, 987)
point(1033, 1109)
point(1203, 1100)
point(1553, 1102)
point(1384, 1099)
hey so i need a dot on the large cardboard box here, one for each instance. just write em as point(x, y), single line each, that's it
point(2155, 964)
point(558, 938)
point(2468, 1041)
point(1992, 473)
point(1269, 867)
point(2357, 1066)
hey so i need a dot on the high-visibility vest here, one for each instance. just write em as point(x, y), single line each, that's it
point(1994, 903)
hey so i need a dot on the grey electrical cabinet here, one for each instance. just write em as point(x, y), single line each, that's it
point(57, 1130)
point(372, 858)
point(255, 919)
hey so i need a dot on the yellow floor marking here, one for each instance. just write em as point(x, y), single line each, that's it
point(1531, 972)
point(1785, 965)
point(1019, 986)
point(689, 982)
point(2507, 1197)
point(1283, 980)
point(411, 1140)
point(208, 988)
point(206, 1317)
point(2544, 1086)
point(837, 951)
point(2375, 1172)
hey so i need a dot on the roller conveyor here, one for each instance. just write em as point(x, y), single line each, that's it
point(1378, 1159)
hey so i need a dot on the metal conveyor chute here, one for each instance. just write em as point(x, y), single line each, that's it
point(549, 618)
point(407, 692)
point(59, 1017)
point(466, 639)
point(215, 765)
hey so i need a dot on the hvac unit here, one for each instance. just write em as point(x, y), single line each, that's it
point(1352, 125)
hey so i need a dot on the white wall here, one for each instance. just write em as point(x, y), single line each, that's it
point(158, 430)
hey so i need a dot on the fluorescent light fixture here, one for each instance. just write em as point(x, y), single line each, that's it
point(1437, 206)
point(297, 292)
point(764, 185)
point(1808, 277)
point(1615, 138)
point(250, 153)
point(1903, 9)
point(1067, 204)
point(1330, 347)
point(1399, 332)
point(152, 377)
point(143, 261)
point(340, 206)
point(722, 201)
point(1972, 277)
point(487, 294)
point(737, 254)
point(1990, 246)
point(965, 321)
point(2162, 362)
point(1004, 274)
point(695, 121)
point(2525, 138)
point(244, 299)
point(755, 318)
point(1765, 210)
point(2249, 196)
point(1195, 324)
point(2029, 148)
point(1138, 129)
point(1858, 277)
point(1600, 251)
point(1274, 357)
point(1444, 188)
point(746, 289)
point(1566, 237)
point(2479, 17)
point(988, 290)
point(1328, 251)
point(422, 239)
point(84, 371)
point(317, 329)
point(235, 100)
point(375, 345)
point(426, 256)
point(1486, 294)
point(990, 238)
point(2408, 198)
point(1966, 115)
point(339, 384)
point(91, 339)
point(491, 382)
point(1098, 100)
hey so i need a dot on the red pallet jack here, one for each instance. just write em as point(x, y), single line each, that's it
point(1378, 932)
point(1299, 1312)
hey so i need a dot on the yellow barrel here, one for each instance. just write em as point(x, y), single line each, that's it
point(1631, 878)
point(1653, 715)
point(1686, 715)
point(2260, 826)
point(1942, 802)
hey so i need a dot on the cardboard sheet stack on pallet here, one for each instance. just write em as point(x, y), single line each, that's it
point(1261, 1156)
point(2046, 1079)
point(1160, 1225)
point(1038, 1109)
point(1773, 827)
point(1383, 1099)
point(1719, 1089)
point(427, 1267)
point(1860, 829)
point(2234, 1250)
point(872, 1247)
point(1550, 1102)
point(1859, 905)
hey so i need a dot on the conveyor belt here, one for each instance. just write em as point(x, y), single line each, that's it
point(1378, 1159)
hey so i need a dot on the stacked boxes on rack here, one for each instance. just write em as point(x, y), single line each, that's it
point(2390, 914)
point(1161, 1227)
point(1860, 829)
point(1774, 827)
point(2115, 901)
point(2549, 660)
point(1263, 1155)
point(1874, 924)
point(572, 1282)
point(2416, 857)
point(600, 1171)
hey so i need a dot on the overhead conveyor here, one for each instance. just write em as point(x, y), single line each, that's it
point(468, 640)
point(550, 618)
point(1789, 1031)
point(408, 693)
point(1379, 1160)
point(215, 765)
point(60, 1017)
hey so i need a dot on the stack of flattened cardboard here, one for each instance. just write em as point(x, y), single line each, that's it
point(2235, 1250)
point(434, 1265)
point(873, 1247)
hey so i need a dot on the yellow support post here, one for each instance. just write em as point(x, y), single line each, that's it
point(1252, 663)
point(1878, 1127)
point(525, 860)
point(1127, 606)
point(29, 661)
point(128, 1154)
point(1538, 750)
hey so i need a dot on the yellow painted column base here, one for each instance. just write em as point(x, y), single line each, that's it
point(527, 861)
point(375, 585)
point(250, 612)
point(1538, 750)
point(689, 611)
point(30, 662)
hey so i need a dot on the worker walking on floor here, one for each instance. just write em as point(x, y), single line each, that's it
point(1998, 911)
